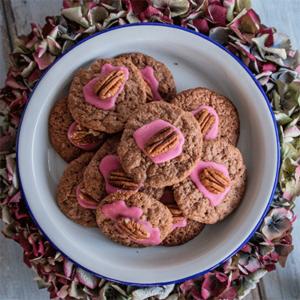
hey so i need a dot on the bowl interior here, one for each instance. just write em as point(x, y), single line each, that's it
point(194, 61)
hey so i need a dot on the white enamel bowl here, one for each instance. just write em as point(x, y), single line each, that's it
point(195, 61)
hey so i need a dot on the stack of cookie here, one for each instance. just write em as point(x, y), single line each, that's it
point(146, 165)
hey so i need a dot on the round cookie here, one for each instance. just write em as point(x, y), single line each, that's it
point(114, 119)
point(193, 203)
point(140, 167)
point(66, 192)
point(94, 182)
point(152, 211)
point(166, 83)
point(59, 123)
point(229, 124)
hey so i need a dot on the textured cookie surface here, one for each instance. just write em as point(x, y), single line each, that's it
point(66, 192)
point(192, 202)
point(182, 235)
point(140, 167)
point(114, 119)
point(166, 87)
point(154, 212)
point(60, 120)
point(229, 124)
point(94, 182)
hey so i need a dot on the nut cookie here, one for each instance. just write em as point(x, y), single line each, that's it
point(166, 84)
point(140, 166)
point(60, 120)
point(191, 200)
point(111, 120)
point(229, 124)
point(133, 219)
point(66, 192)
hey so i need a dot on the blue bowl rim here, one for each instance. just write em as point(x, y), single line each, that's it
point(275, 127)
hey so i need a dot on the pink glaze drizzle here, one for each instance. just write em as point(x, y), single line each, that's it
point(214, 131)
point(82, 202)
point(84, 147)
point(93, 99)
point(111, 163)
point(148, 76)
point(119, 209)
point(143, 134)
point(213, 198)
point(166, 198)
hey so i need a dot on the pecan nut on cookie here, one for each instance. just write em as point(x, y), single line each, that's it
point(216, 186)
point(69, 196)
point(215, 113)
point(103, 96)
point(161, 144)
point(159, 81)
point(133, 219)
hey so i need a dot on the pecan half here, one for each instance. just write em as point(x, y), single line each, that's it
point(176, 212)
point(83, 136)
point(214, 180)
point(149, 93)
point(84, 196)
point(206, 121)
point(119, 179)
point(134, 230)
point(108, 85)
point(163, 141)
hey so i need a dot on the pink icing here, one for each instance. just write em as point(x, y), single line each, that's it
point(167, 197)
point(213, 198)
point(143, 134)
point(93, 99)
point(82, 202)
point(148, 76)
point(110, 163)
point(214, 131)
point(119, 209)
point(84, 147)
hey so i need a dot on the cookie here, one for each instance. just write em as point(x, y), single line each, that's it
point(59, 123)
point(229, 124)
point(120, 213)
point(66, 192)
point(167, 168)
point(182, 230)
point(94, 182)
point(113, 114)
point(163, 84)
point(197, 201)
